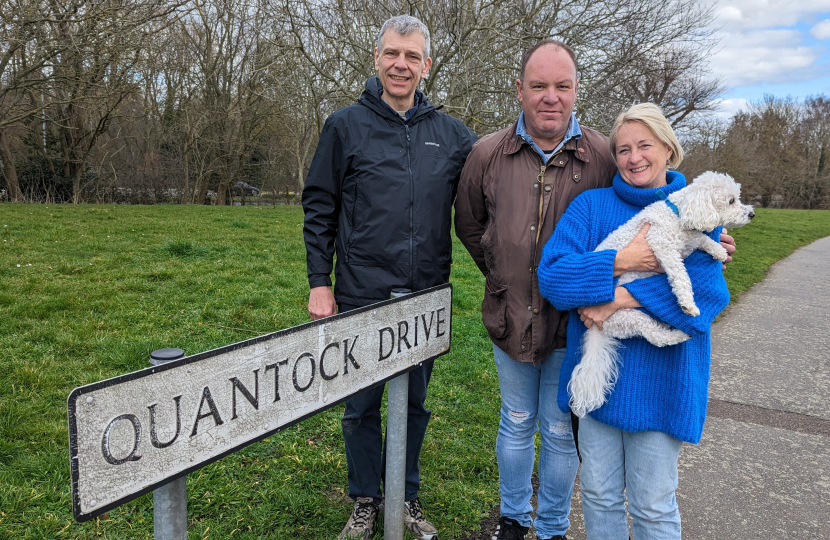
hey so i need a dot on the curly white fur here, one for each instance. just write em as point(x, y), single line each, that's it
point(712, 200)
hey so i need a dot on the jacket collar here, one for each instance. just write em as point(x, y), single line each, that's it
point(515, 140)
point(644, 197)
point(371, 98)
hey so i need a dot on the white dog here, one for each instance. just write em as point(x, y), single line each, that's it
point(677, 228)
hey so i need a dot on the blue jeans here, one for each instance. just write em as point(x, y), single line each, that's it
point(528, 398)
point(365, 448)
point(617, 463)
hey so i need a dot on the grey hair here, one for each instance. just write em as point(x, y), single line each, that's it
point(405, 25)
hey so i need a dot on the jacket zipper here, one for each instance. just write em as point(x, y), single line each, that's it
point(541, 179)
point(411, 211)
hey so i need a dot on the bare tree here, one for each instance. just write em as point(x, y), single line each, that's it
point(135, 97)
point(73, 63)
point(777, 149)
point(231, 59)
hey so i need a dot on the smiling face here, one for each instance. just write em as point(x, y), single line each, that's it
point(401, 65)
point(547, 95)
point(642, 158)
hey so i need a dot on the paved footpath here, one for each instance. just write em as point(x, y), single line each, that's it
point(762, 469)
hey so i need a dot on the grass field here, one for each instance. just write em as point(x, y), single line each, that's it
point(87, 292)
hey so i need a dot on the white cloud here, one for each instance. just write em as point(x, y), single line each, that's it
point(745, 14)
point(821, 30)
point(727, 108)
point(766, 42)
point(771, 56)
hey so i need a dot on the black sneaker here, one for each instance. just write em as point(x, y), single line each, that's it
point(362, 520)
point(557, 537)
point(509, 529)
point(416, 523)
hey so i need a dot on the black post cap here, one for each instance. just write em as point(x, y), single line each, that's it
point(161, 356)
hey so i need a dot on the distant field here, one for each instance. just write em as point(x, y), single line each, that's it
point(87, 292)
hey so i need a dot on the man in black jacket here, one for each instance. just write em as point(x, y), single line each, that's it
point(379, 193)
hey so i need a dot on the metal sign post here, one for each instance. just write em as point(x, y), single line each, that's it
point(170, 500)
point(136, 433)
point(394, 484)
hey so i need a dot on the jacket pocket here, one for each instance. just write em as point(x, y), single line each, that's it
point(494, 308)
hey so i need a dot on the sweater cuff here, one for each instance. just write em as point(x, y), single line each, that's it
point(658, 299)
point(586, 280)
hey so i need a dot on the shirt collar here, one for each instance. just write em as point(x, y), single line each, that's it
point(573, 133)
point(411, 112)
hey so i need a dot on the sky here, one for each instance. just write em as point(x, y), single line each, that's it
point(779, 47)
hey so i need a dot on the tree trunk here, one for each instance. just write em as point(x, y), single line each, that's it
point(223, 191)
point(76, 186)
point(9, 170)
point(186, 191)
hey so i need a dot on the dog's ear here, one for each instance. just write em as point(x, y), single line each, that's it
point(697, 208)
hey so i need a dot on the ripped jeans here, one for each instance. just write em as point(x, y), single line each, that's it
point(528, 398)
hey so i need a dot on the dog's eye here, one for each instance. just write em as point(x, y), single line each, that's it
point(732, 200)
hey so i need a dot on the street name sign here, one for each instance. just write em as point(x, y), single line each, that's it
point(131, 434)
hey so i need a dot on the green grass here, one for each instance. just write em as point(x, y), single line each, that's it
point(87, 292)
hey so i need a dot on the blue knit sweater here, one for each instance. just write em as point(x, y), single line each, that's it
point(659, 388)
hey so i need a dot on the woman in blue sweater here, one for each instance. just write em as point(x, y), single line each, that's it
point(631, 444)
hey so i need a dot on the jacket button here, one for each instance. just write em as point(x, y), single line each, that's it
point(561, 162)
point(576, 177)
point(530, 269)
point(535, 310)
point(529, 308)
point(523, 347)
point(547, 188)
point(533, 227)
point(536, 186)
point(535, 351)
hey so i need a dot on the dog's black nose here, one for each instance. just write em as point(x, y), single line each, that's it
point(751, 215)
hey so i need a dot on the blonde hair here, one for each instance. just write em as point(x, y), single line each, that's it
point(651, 116)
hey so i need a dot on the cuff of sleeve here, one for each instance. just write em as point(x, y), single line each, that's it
point(581, 281)
point(593, 277)
point(319, 280)
point(660, 301)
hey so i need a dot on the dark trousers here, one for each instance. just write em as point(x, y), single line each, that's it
point(365, 448)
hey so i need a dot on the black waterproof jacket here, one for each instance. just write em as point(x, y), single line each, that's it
point(379, 192)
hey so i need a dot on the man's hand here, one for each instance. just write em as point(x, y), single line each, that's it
point(596, 315)
point(728, 244)
point(321, 303)
point(637, 256)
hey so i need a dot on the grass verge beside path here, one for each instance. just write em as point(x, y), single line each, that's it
point(771, 236)
point(87, 292)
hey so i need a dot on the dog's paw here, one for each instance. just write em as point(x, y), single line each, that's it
point(692, 310)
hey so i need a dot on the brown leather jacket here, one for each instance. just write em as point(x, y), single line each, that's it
point(507, 207)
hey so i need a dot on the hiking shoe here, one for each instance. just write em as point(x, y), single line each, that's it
point(509, 529)
point(362, 520)
point(416, 523)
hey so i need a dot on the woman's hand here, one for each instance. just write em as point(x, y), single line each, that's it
point(596, 315)
point(637, 256)
point(728, 244)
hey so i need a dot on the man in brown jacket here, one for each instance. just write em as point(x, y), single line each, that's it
point(514, 188)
